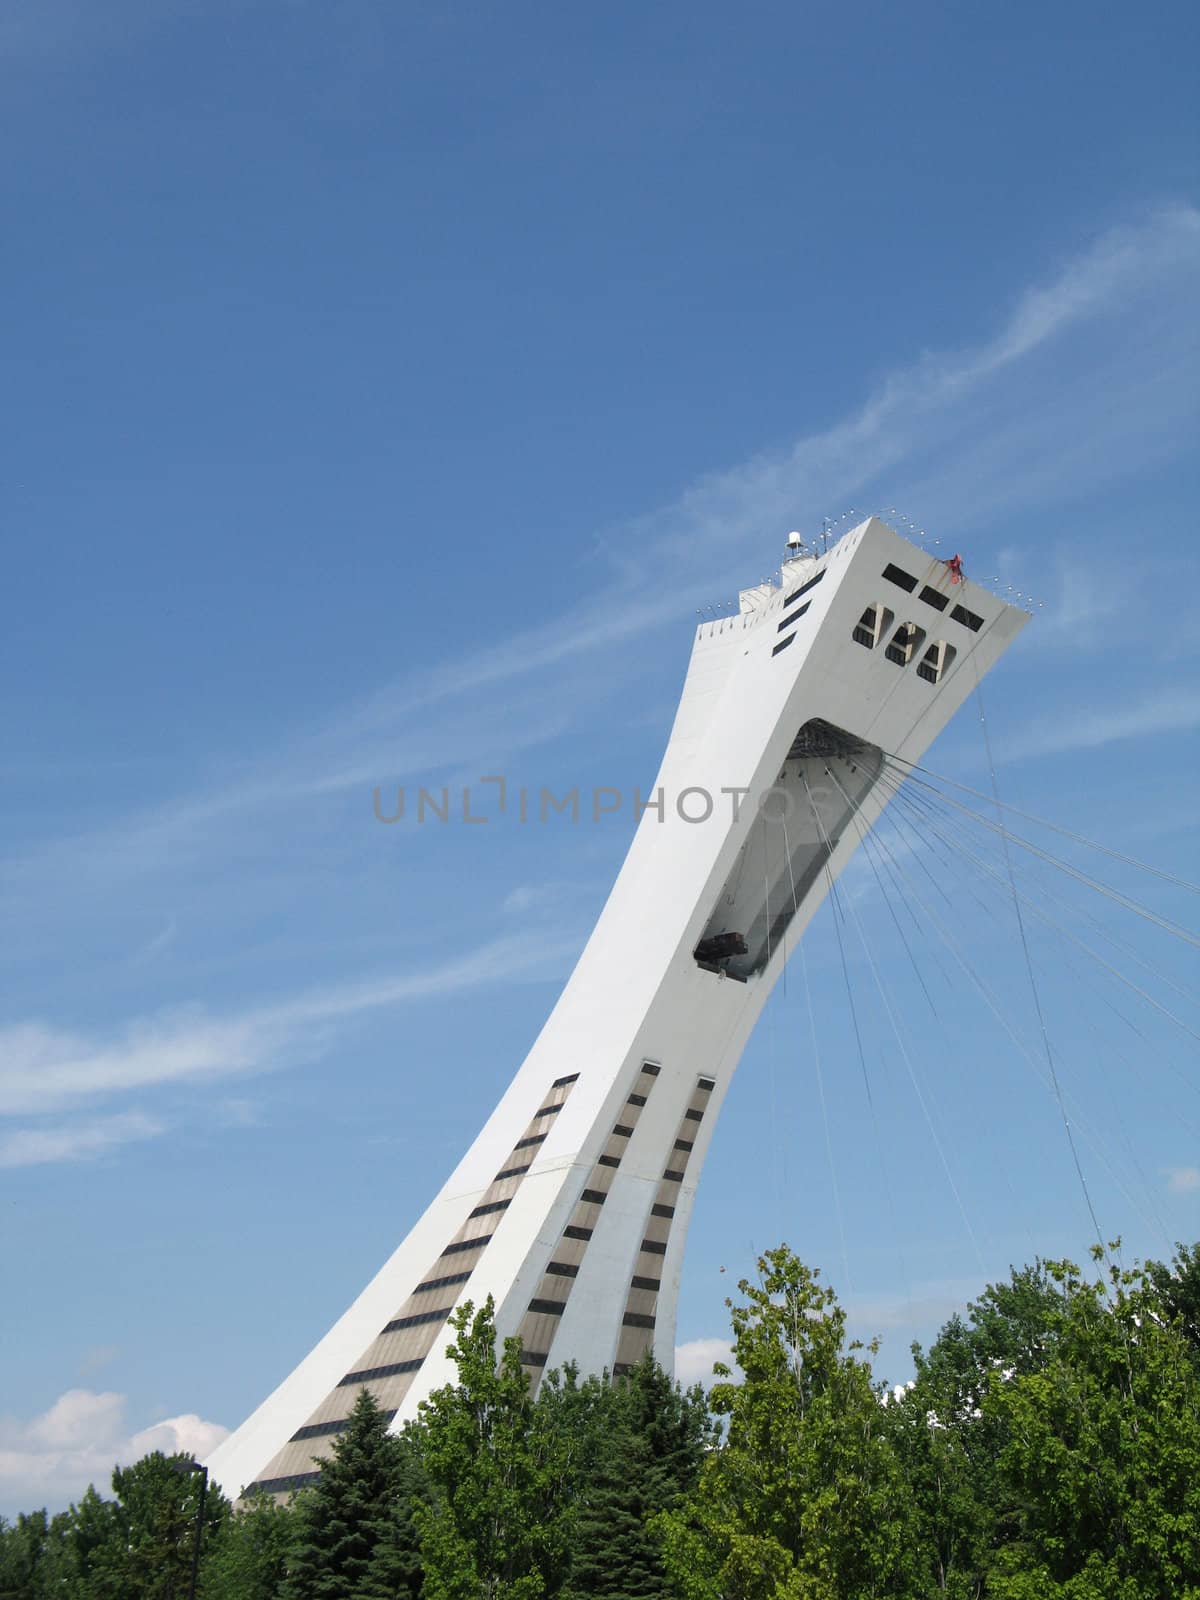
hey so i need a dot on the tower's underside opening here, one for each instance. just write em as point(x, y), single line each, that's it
point(827, 775)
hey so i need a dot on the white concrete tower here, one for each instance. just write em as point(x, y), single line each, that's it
point(571, 1207)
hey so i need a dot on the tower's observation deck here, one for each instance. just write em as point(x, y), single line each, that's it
point(571, 1207)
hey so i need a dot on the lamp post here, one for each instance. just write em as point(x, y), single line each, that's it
point(187, 1466)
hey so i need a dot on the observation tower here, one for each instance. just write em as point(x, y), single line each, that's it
point(571, 1208)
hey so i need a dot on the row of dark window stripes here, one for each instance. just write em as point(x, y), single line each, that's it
point(399, 1350)
point(792, 617)
point(544, 1314)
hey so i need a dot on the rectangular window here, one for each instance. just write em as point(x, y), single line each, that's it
point(608, 1161)
point(548, 1308)
point(898, 576)
point(793, 616)
point(418, 1320)
point(319, 1430)
point(684, 1144)
point(492, 1205)
point(651, 1285)
point(804, 588)
point(548, 1111)
point(510, 1172)
point(464, 1245)
point(593, 1197)
point(706, 1083)
point(783, 644)
point(969, 619)
point(636, 1100)
point(637, 1319)
point(622, 1132)
point(651, 1068)
point(671, 1176)
point(431, 1284)
point(662, 1211)
point(692, 1115)
point(562, 1269)
point(369, 1374)
point(297, 1480)
point(931, 597)
point(322, 1430)
point(577, 1233)
point(534, 1138)
point(534, 1358)
point(561, 1083)
point(653, 1248)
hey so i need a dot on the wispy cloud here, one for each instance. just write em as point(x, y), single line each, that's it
point(43, 1068)
point(1183, 1180)
point(157, 944)
point(928, 402)
point(706, 537)
point(97, 1358)
point(237, 1112)
point(76, 1141)
point(928, 1307)
point(969, 407)
point(1159, 711)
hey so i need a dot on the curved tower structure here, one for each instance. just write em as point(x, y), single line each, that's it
point(571, 1207)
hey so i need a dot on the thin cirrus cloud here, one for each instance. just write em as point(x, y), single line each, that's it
point(77, 1141)
point(955, 434)
point(994, 406)
point(1159, 711)
point(943, 396)
point(44, 1069)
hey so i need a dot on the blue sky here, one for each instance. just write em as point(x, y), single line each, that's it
point(386, 389)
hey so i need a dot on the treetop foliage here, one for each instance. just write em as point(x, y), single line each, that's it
point(1048, 1448)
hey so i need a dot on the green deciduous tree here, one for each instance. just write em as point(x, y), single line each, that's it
point(950, 1446)
point(805, 1500)
point(1048, 1449)
point(93, 1532)
point(249, 1561)
point(1103, 1450)
point(1178, 1289)
point(496, 1527)
point(139, 1546)
point(36, 1556)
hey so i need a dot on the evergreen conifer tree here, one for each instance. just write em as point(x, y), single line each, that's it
point(643, 1442)
point(345, 1516)
point(396, 1571)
